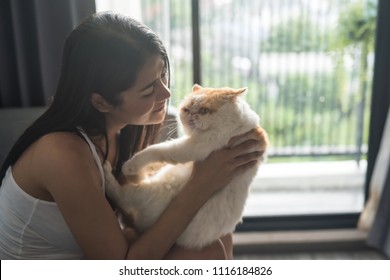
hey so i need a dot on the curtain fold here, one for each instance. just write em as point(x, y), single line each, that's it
point(378, 180)
point(376, 216)
point(379, 236)
point(381, 87)
point(31, 37)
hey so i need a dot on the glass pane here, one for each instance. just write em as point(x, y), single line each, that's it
point(172, 21)
point(308, 66)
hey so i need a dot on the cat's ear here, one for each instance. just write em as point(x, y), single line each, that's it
point(196, 87)
point(236, 93)
point(241, 91)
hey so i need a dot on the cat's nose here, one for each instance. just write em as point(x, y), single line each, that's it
point(194, 116)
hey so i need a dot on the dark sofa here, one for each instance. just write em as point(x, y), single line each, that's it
point(13, 121)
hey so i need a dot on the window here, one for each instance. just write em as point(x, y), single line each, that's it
point(308, 66)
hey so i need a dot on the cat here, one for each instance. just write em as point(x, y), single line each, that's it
point(210, 117)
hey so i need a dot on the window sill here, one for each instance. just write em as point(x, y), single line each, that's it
point(298, 241)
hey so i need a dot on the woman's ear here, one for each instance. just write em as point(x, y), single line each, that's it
point(100, 103)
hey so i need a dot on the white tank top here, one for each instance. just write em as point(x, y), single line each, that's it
point(31, 228)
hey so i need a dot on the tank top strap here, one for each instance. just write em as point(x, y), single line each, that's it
point(94, 154)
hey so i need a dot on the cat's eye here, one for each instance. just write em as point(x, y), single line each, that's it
point(185, 110)
point(204, 111)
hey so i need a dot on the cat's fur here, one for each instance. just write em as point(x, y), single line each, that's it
point(210, 118)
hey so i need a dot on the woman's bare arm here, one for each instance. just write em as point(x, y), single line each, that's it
point(69, 173)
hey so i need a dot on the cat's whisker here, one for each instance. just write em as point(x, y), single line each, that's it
point(172, 132)
point(170, 121)
point(171, 129)
point(169, 125)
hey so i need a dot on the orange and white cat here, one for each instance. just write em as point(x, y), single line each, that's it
point(210, 118)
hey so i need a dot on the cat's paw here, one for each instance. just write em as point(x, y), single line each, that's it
point(132, 171)
point(107, 167)
point(130, 167)
point(152, 168)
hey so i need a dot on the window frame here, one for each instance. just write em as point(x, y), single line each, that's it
point(379, 107)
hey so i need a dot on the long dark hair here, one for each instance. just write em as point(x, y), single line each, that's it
point(104, 55)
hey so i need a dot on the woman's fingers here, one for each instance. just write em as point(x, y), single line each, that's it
point(259, 135)
point(220, 167)
point(240, 138)
point(249, 146)
point(248, 158)
point(244, 167)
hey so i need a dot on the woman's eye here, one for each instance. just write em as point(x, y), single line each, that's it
point(203, 111)
point(149, 93)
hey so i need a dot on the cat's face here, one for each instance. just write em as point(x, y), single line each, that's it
point(206, 107)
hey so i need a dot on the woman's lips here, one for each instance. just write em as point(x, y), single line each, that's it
point(159, 109)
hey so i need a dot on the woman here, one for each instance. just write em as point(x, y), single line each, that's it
point(110, 101)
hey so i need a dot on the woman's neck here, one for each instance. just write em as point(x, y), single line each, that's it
point(108, 151)
point(113, 131)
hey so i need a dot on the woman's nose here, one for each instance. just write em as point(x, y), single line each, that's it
point(164, 92)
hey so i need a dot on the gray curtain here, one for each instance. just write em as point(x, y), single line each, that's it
point(379, 235)
point(31, 37)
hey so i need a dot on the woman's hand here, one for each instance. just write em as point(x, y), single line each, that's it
point(221, 166)
point(127, 224)
point(130, 234)
point(221, 249)
point(214, 251)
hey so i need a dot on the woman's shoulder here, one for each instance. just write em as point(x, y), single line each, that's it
point(62, 140)
point(52, 158)
point(60, 147)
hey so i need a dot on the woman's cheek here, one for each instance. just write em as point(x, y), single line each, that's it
point(141, 111)
point(145, 107)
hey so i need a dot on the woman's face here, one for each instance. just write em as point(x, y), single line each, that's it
point(146, 101)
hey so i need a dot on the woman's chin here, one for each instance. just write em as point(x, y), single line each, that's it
point(158, 117)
